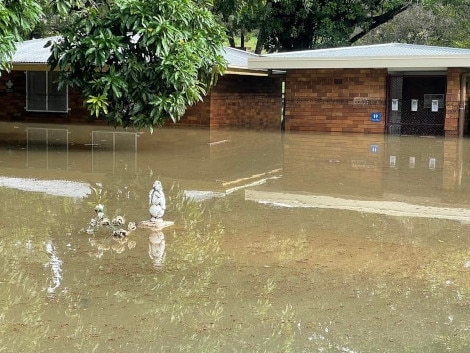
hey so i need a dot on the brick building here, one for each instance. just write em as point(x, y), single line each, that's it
point(388, 88)
point(242, 97)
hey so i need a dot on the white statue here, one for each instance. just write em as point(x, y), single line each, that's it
point(99, 209)
point(157, 201)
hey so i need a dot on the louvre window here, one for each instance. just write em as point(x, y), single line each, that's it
point(42, 93)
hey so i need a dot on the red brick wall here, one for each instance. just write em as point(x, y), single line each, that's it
point(339, 100)
point(247, 102)
point(236, 101)
point(12, 104)
point(451, 125)
point(197, 115)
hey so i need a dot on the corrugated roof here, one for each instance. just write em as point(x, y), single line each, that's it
point(237, 57)
point(393, 56)
point(379, 50)
point(33, 52)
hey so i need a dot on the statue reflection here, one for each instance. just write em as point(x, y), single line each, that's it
point(157, 248)
point(55, 264)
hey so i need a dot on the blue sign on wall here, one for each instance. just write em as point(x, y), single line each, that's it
point(375, 117)
point(374, 148)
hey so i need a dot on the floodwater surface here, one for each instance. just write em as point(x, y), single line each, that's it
point(280, 243)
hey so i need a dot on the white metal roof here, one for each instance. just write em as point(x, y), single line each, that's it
point(238, 58)
point(392, 56)
point(33, 52)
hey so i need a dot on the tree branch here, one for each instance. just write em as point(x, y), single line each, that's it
point(379, 20)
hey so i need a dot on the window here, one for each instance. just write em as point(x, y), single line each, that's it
point(42, 93)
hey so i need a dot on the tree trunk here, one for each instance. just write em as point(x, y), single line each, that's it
point(231, 40)
point(262, 29)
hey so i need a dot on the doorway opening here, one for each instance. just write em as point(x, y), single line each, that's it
point(416, 105)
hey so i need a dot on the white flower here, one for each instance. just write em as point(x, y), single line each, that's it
point(118, 220)
point(131, 226)
point(105, 222)
point(131, 244)
point(120, 233)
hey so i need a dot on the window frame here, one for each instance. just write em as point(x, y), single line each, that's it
point(48, 97)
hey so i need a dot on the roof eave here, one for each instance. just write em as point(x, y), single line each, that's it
point(234, 70)
point(421, 62)
point(30, 67)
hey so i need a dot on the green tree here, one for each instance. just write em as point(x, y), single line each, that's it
point(239, 17)
point(307, 24)
point(436, 23)
point(51, 22)
point(139, 62)
point(16, 18)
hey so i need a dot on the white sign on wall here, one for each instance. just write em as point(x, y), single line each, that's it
point(429, 101)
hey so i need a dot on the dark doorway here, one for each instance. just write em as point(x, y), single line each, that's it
point(422, 116)
point(417, 105)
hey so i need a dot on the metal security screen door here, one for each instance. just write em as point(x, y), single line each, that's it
point(416, 105)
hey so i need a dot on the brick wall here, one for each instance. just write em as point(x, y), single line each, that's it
point(451, 125)
point(247, 102)
point(236, 101)
point(13, 103)
point(316, 100)
point(197, 115)
point(239, 101)
point(339, 100)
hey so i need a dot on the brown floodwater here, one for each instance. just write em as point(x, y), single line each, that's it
point(281, 242)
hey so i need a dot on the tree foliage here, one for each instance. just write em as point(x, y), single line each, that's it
point(430, 23)
point(239, 17)
point(282, 25)
point(139, 62)
point(51, 22)
point(16, 18)
point(308, 24)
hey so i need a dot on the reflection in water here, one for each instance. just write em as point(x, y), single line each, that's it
point(55, 265)
point(53, 144)
point(51, 187)
point(392, 208)
point(113, 150)
point(157, 248)
point(370, 256)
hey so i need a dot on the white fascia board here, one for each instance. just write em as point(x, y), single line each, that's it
point(399, 62)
